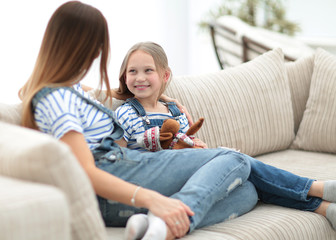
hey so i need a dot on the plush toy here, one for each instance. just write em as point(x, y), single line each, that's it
point(170, 138)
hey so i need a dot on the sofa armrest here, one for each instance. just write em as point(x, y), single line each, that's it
point(32, 211)
point(11, 113)
point(33, 156)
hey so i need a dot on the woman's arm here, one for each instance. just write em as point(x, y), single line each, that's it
point(114, 188)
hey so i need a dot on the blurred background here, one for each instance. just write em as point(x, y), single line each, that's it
point(174, 24)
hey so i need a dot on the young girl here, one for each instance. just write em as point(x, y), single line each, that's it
point(145, 74)
point(184, 194)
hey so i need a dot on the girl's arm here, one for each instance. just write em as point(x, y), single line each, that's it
point(114, 188)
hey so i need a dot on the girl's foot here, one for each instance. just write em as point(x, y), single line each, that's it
point(136, 227)
point(331, 214)
point(329, 191)
point(157, 229)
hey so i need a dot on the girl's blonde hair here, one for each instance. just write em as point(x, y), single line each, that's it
point(160, 59)
point(75, 36)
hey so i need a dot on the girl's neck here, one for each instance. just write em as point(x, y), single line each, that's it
point(153, 106)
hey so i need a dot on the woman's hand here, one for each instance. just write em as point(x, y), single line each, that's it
point(180, 106)
point(173, 211)
point(199, 143)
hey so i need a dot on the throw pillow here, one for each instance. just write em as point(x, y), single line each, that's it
point(317, 131)
point(247, 107)
point(299, 77)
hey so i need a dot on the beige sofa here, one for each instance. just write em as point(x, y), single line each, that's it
point(281, 113)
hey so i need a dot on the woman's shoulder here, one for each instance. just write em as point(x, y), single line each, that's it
point(57, 99)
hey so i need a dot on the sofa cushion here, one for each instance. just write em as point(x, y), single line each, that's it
point(32, 211)
point(299, 77)
point(33, 156)
point(247, 107)
point(317, 130)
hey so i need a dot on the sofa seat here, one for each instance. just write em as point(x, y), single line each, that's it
point(267, 221)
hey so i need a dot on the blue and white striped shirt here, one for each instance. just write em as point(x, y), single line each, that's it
point(134, 126)
point(62, 111)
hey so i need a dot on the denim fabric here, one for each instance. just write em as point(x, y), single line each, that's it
point(217, 184)
point(150, 123)
point(282, 188)
point(206, 180)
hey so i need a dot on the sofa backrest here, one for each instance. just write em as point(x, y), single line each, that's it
point(247, 107)
point(238, 93)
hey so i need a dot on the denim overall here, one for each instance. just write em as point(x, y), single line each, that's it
point(217, 184)
point(149, 123)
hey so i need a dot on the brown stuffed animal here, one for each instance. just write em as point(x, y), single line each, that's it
point(171, 139)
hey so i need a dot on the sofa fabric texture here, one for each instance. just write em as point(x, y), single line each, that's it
point(33, 156)
point(299, 76)
point(248, 107)
point(317, 131)
point(29, 206)
point(266, 108)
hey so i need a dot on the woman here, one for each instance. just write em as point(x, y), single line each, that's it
point(187, 189)
point(172, 185)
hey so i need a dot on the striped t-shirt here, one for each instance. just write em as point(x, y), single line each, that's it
point(134, 126)
point(62, 111)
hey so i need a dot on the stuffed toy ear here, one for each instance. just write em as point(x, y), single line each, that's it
point(195, 127)
point(165, 139)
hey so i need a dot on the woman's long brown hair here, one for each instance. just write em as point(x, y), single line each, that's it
point(75, 36)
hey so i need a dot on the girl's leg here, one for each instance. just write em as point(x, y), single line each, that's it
point(242, 200)
point(281, 187)
point(197, 177)
point(213, 182)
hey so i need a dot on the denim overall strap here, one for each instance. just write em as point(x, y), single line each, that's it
point(117, 132)
point(135, 104)
point(173, 109)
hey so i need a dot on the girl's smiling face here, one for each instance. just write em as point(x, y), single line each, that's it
point(143, 79)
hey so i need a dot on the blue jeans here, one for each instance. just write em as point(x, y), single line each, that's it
point(217, 184)
point(213, 182)
point(282, 188)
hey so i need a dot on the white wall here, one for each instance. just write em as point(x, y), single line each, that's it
point(171, 23)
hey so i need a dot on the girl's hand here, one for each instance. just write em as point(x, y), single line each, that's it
point(199, 143)
point(173, 211)
point(180, 106)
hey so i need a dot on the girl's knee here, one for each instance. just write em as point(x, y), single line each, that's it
point(243, 163)
point(250, 193)
point(239, 166)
